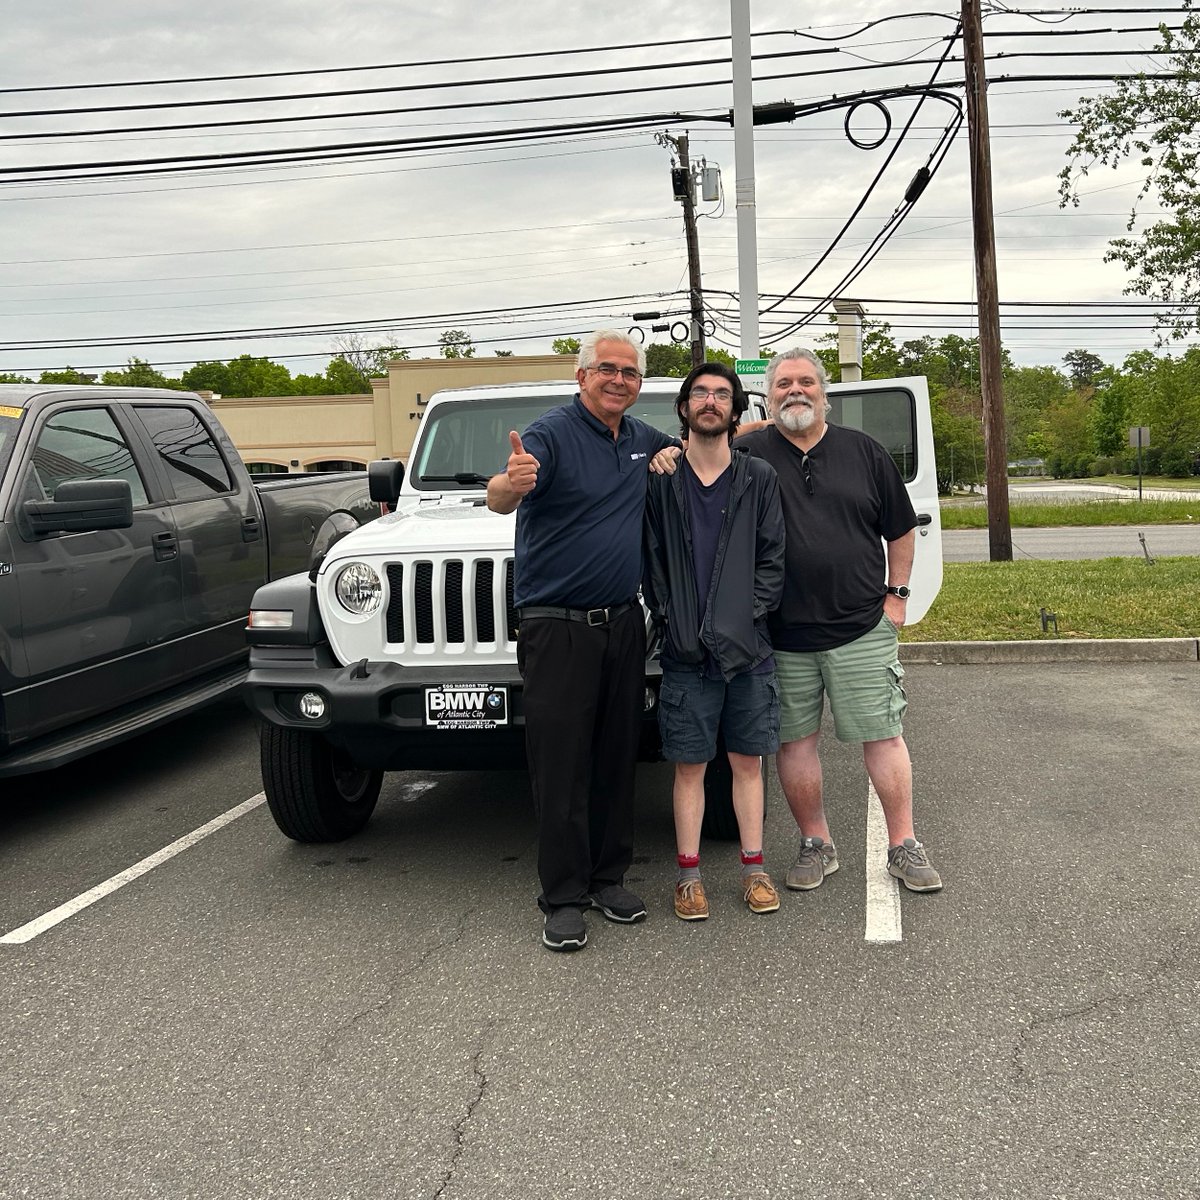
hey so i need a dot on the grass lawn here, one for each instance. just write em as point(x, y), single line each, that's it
point(1104, 598)
point(1039, 514)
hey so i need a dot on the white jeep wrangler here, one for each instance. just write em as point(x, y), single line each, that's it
point(398, 650)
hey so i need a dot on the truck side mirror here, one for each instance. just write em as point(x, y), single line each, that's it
point(82, 506)
point(384, 477)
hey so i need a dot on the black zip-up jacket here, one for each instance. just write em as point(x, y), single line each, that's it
point(747, 581)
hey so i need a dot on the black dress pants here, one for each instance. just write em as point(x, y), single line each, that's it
point(583, 690)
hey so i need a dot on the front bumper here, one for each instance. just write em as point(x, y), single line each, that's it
point(376, 711)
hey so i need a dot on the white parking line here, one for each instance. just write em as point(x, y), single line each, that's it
point(883, 892)
point(55, 916)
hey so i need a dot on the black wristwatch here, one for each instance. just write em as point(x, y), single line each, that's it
point(901, 591)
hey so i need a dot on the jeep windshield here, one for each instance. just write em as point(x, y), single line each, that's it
point(463, 443)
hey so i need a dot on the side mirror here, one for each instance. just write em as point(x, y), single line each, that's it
point(82, 506)
point(384, 477)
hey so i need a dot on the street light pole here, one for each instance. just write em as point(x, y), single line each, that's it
point(743, 157)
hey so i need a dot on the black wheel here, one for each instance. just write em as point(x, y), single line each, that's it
point(720, 821)
point(314, 792)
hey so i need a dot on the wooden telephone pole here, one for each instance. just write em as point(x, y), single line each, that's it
point(995, 436)
point(685, 193)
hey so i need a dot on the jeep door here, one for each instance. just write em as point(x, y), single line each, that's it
point(895, 412)
point(97, 610)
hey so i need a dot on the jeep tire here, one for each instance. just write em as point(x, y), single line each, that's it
point(314, 792)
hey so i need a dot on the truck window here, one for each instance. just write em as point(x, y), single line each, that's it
point(187, 450)
point(83, 443)
point(888, 415)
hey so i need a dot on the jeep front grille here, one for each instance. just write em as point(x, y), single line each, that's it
point(452, 604)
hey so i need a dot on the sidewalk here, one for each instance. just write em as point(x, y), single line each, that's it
point(1053, 651)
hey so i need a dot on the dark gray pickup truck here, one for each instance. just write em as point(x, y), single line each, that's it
point(131, 543)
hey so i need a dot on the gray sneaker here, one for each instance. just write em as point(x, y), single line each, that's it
point(909, 863)
point(817, 858)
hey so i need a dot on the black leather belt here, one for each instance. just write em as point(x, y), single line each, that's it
point(588, 616)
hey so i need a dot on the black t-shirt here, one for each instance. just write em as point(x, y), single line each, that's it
point(836, 565)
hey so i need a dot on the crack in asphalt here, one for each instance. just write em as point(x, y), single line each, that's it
point(1170, 961)
point(459, 1128)
point(346, 1027)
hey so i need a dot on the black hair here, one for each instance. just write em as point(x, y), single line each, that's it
point(740, 400)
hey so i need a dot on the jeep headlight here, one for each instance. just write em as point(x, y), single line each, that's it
point(358, 589)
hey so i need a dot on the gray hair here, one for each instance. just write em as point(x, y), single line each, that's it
point(587, 348)
point(794, 353)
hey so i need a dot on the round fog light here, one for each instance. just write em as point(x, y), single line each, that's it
point(312, 706)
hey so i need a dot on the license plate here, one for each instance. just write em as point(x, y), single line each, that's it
point(466, 706)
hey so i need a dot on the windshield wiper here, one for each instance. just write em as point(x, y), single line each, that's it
point(461, 477)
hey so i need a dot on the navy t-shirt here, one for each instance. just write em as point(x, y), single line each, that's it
point(579, 532)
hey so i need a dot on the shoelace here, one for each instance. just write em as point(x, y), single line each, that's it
point(762, 880)
point(688, 889)
point(913, 856)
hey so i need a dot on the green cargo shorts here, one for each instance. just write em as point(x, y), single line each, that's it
point(864, 682)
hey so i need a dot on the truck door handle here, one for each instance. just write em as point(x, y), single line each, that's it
point(166, 547)
point(924, 519)
point(251, 531)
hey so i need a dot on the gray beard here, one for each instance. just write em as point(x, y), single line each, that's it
point(797, 418)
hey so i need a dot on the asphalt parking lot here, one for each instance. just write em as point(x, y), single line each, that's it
point(254, 1018)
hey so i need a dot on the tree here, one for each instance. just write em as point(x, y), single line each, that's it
point(342, 378)
point(139, 373)
point(565, 345)
point(674, 360)
point(1028, 393)
point(207, 377)
point(370, 362)
point(5, 377)
point(1083, 366)
point(504, 354)
point(1158, 121)
point(456, 343)
point(66, 375)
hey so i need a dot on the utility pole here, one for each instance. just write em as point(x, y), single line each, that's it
point(995, 436)
point(684, 186)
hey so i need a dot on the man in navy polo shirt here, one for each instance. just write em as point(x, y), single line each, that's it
point(577, 480)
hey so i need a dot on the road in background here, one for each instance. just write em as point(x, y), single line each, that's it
point(1078, 542)
point(378, 1017)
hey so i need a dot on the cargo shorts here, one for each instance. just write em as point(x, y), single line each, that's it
point(863, 680)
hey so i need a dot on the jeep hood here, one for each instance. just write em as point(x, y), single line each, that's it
point(451, 526)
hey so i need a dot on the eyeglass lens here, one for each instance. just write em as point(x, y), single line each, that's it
point(611, 371)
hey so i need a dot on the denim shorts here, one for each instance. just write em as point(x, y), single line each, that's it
point(692, 708)
point(863, 679)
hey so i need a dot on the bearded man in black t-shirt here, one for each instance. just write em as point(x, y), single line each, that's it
point(849, 551)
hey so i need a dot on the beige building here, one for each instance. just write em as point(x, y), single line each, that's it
point(306, 433)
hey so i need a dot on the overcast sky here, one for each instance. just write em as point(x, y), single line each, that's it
point(413, 241)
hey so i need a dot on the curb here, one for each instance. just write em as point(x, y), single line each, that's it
point(1082, 650)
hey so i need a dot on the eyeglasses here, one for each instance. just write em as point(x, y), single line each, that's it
point(703, 393)
point(611, 371)
point(804, 467)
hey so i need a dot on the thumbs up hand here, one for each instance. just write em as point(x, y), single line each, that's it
point(522, 467)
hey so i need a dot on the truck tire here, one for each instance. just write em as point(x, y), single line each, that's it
point(720, 821)
point(314, 792)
